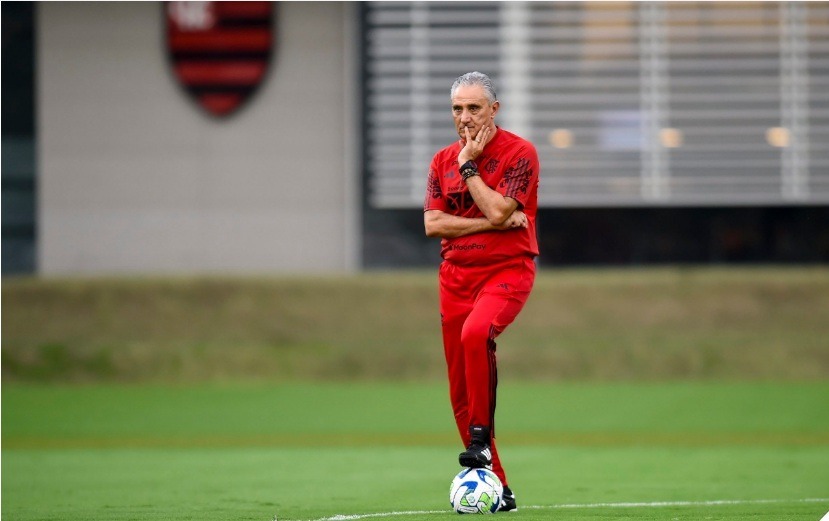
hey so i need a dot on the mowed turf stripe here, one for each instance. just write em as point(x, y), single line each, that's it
point(575, 506)
point(622, 439)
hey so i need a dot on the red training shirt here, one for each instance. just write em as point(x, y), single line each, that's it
point(509, 165)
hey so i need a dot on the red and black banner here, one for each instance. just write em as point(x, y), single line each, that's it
point(220, 50)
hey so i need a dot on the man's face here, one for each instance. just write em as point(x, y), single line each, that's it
point(471, 109)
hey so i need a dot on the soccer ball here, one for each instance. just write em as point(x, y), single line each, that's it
point(476, 491)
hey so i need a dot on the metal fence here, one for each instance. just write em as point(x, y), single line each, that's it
point(629, 104)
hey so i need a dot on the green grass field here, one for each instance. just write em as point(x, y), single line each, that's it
point(665, 394)
point(610, 451)
point(657, 324)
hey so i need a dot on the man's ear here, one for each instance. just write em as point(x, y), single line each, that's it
point(495, 107)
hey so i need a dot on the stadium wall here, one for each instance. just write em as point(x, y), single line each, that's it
point(134, 177)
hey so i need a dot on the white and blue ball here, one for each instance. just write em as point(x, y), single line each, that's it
point(476, 491)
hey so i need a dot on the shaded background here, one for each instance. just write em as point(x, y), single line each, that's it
point(668, 133)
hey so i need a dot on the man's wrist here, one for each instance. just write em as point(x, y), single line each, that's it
point(469, 169)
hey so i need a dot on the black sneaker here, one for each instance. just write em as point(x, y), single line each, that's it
point(477, 456)
point(508, 501)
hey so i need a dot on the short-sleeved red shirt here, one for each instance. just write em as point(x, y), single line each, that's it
point(509, 165)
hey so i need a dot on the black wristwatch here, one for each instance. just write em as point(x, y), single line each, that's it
point(469, 169)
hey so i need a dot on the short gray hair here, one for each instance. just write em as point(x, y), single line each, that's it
point(475, 78)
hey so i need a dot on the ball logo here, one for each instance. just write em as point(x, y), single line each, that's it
point(220, 51)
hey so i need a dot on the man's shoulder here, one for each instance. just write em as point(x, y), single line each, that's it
point(446, 156)
point(449, 151)
point(514, 141)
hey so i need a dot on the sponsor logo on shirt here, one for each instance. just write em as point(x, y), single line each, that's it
point(466, 247)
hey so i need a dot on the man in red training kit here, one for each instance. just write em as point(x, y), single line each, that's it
point(481, 200)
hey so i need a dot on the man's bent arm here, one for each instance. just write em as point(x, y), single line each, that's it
point(492, 204)
point(447, 226)
point(495, 207)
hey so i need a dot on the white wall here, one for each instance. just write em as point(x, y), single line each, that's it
point(134, 177)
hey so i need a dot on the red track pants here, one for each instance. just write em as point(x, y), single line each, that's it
point(476, 304)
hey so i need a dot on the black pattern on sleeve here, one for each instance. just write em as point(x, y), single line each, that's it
point(433, 190)
point(517, 179)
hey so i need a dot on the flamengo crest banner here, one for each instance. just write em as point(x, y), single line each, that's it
point(220, 51)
